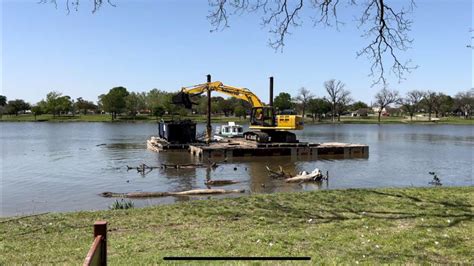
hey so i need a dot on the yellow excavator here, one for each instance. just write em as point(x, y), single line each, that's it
point(265, 124)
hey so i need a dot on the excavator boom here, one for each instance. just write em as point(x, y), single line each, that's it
point(239, 93)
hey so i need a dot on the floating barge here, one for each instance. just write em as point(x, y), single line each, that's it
point(239, 147)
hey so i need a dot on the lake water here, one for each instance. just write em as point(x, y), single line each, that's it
point(63, 166)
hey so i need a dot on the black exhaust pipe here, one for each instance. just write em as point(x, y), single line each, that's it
point(271, 92)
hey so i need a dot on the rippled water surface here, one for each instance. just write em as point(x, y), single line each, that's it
point(64, 166)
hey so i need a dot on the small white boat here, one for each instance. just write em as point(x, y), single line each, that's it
point(231, 130)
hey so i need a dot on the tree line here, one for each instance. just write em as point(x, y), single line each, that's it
point(337, 102)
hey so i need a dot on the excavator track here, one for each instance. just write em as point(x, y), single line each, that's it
point(258, 136)
point(271, 136)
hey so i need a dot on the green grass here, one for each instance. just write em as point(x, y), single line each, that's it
point(415, 225)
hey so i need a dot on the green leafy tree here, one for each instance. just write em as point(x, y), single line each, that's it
point(16, 106)
point(114, 102)
point(283, 101)
point(84, 106)
point(56, 103)
point(240, 111)
point(154, 102)
point(3, 100)
point(226, 106)
point(158, 111)
point(3, 103)
point(443, 104)
point(37, 110)
point(318, 107)
point(135, 102)
point(358, 105)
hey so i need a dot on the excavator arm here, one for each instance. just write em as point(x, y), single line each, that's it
point(240, 93)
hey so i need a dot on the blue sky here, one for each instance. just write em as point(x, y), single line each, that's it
point(168, 44)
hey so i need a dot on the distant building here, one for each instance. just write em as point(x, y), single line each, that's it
point(361, 112)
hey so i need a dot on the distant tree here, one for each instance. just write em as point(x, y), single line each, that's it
point(158, 111)
point(37, 110)
point(338, 96)
point(3, 100)
point(16, 106)
point(358, 105)
point(154, 102)
point(114, 101)
point(227, 106)
point(173, 108)
point(83, 106)
point(384, 98)
point(283, 101)
point(343, 104)
point(240, 111)
point(135, 102)
point(56, 103)
point(464, 101)
point(443, 104)
point(411, 102)
point(429, 102)
point(3, 103)
point(304, 95)
point(318, 107)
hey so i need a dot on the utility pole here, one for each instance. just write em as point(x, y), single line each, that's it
point(208, 124)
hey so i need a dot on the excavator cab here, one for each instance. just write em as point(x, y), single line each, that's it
point(262, 116)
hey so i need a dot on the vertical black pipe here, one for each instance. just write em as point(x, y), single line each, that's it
point(271, 101)
point(271, 92)
point(208, 124)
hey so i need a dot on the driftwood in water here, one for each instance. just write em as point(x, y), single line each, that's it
point(142, 167)
point(315, 176)
point(145, 169)
point(165, 194)
point(182, 166)
point(222, 182)
point(278, 174)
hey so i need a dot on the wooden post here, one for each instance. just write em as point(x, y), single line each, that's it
point(100, 229)
point(208, 125)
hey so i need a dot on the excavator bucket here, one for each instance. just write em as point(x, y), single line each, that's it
point(183, 99)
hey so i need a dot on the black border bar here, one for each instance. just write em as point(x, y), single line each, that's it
point(236, 258)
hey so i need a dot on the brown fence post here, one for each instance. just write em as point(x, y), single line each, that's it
point(100, 228)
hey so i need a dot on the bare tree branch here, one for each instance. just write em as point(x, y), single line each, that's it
point(74, 4)
point(386, 27)
point(388, 30)
point(472, 37)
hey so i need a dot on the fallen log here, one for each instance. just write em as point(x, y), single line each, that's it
point(314, 176)
point(220, 182)
point(166, 194)
point(182, 166)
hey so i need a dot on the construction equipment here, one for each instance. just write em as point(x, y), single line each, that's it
point(265, 123)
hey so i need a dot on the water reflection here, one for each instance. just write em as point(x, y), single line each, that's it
point(59, 167)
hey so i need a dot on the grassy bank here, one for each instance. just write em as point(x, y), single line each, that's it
point(223, 119)
point(338, 226)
